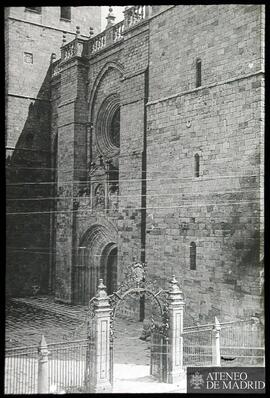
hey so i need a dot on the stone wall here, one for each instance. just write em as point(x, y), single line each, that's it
point(226, 37)
point(221, 122)
point(135, 61)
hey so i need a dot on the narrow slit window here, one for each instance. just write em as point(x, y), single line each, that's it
point(198, 72)
point(65, 13)
point(192, 255)
point(197, 165)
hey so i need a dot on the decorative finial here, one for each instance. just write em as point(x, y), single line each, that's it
point(64, 38)
point(43, 343)
point(91, 32)
point(43, 348)
point(101, 293)
point(174, 284)
point(110, 18)
point(101, 284)
point(77, 31)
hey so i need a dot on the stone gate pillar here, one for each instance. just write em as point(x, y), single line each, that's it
point(175, 350)
point(98, 358)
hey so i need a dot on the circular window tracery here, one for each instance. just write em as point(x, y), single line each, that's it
point(108, 126)
point(114, 132)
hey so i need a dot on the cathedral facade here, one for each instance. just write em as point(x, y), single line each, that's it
point(155, 128)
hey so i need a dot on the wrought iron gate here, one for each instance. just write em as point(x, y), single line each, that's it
point(135, 282)
point(159, 355)
point(167, 349)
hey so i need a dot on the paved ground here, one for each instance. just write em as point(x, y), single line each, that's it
point(26, 323)
point(27, 319)
point(136, 379)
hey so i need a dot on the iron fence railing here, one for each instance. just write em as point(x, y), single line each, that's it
point(66, 368)
point(21, 370)
point(67, 362)
point(197, 347)
point(241, 343)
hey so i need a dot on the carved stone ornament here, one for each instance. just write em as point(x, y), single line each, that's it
point(100, 196)
point(138, 272)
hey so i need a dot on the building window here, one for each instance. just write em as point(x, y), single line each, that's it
point(65, 13)
point(197, 165)
point(28, 58)
point(192, 255)
point(33, 9)
point(198, 72)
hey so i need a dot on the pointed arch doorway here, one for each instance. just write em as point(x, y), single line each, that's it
point(96, 258)
point(109, 267)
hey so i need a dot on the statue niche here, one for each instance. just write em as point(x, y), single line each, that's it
point(99, 199)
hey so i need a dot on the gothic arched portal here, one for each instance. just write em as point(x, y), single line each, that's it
point(96, 258)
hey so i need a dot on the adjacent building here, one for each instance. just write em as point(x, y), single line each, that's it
point(33, 37)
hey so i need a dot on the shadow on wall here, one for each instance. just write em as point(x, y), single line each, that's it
point(28, 219)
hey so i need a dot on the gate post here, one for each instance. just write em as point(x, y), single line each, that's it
point(176, 305)
point(216, 344)
point(98, 379)
point(43, 379)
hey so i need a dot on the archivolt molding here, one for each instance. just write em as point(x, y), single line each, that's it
point(107, 230)
point(95, 240)
point(101, 74)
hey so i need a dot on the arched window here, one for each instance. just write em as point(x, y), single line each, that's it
point(192, 255)
point(197, 165)
point(65, 13)
point(198, 72)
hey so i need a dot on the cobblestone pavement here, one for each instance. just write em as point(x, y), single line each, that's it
point(27, 319)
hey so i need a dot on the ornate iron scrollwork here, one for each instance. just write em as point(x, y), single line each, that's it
point(134, 282)
point(91, 308)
